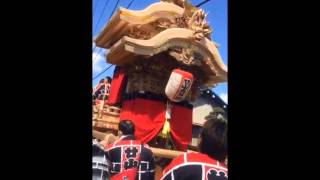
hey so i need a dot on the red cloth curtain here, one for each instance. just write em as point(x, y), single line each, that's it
point(181, 126)
point(149, 117)
point(116, 87)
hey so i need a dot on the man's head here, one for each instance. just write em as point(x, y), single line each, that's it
point(101, 81)
point(213, 137)
point(126, 127)
point(108, 79)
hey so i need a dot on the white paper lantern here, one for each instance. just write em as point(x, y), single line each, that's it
point(178, 85)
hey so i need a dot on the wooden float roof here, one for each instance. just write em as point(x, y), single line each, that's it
point(123, 49)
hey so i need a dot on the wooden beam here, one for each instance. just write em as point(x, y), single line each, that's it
point(98, 135)
point(165, 153)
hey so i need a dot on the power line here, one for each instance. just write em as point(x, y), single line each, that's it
point(93, 13)
point(102, 72)
point(130, 4)
point(95, 5)
point(104, 8)
point(100, 49)
point(101, 16)
point(115, 7)
point(202, 3)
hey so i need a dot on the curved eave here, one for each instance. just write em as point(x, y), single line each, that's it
point(125, 19)
point(126, 49)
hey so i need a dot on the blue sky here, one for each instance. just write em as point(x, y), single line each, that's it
point(217, 17)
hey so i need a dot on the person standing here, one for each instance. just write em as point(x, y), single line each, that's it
point(209, 163)
point(129, 158)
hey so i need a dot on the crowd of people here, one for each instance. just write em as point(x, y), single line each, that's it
point(128, 158)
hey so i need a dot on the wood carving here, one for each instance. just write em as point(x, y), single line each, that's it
point(199, 25)
point(124, 20)
point(186, 56)
point(174, 26)
point(139, 33)
point(180, 3)
point(203, 53)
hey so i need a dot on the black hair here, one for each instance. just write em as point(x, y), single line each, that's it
point(126, 127)
point(109, 79)
point(214, 137)
point(101, 81)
